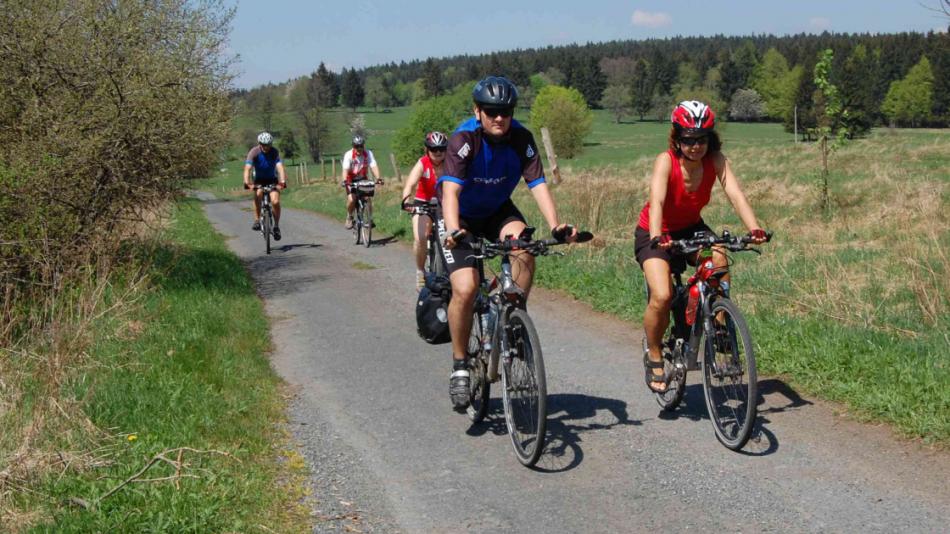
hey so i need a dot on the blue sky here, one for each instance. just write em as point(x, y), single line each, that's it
point(283, 39)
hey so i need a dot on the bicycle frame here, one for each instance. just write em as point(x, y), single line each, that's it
point(687, 336)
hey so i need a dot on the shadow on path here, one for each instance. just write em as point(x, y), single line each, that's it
point(763, 441)
point(569, 416)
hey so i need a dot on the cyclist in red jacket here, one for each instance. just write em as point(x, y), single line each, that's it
point(422, 180)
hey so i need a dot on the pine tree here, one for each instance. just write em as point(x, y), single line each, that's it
point(590, 81)
point(330, 87)
point(432, 78)
point(642, 88)
point(351, 89)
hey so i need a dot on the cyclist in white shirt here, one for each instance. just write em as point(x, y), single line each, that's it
point(357, 163)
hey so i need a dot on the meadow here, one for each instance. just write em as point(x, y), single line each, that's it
point(848, 303)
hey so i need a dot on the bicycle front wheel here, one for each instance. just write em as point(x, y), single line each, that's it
point(367, 218)
point(434, 262)
point(358, 223)
point(524, 389)
point(480, 389)
point(729, 377)
point(267, 226)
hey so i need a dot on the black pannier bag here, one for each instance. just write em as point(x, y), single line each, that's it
point(432, 310)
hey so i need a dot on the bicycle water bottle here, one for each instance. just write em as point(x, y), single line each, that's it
point(692, 303)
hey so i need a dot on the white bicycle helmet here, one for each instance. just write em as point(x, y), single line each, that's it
point(265, 138)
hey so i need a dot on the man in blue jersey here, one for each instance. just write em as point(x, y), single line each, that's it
point(268, 170)
point(486, 158)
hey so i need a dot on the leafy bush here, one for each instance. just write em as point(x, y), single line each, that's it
point(106, 107)
point(442, 113)
point(565, 114)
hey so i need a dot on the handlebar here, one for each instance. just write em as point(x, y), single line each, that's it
point(490, 249)
point(704, 240)
point(266, 188)
point(418, 207)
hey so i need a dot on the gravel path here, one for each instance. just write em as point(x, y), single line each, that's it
point(372, 417)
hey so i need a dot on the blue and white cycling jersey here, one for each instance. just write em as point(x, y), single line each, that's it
point(265, 164)
point(488, 170)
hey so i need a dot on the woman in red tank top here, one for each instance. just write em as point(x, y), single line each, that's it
point(422, 179)
point(680, 186)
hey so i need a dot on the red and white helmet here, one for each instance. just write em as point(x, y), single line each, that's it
point(436, 140)
point(693, 117)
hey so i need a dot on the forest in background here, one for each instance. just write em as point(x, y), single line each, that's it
point(898, 79)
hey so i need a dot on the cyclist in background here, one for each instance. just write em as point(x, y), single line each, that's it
point(356, 164)
point(487, 156)
point(422, 178)
point(680, 186)
point(268, 170)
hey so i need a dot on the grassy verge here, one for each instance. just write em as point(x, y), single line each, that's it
point(851, 303)
point(183, 381)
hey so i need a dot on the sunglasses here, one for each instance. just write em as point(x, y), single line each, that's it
point(495, 112)
point(691, 141)
point(437, 149)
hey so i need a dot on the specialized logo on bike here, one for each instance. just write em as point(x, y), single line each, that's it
point(448, 255)
point(489, 181)
point(466, 148)
point(530, 152)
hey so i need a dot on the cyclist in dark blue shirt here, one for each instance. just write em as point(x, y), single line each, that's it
point(264, 159)
point(486, 158)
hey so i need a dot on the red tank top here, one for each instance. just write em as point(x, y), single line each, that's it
point(426, 188)
point(681, 208)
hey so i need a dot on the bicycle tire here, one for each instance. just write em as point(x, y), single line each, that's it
point(358, 222)
point(268, 224)
point(434, 264)
point(525, 415)
point(367, 219)
point(670, 399)
point(729, 375)
point(480, 388)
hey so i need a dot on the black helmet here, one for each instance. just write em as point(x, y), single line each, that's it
point(495, 92)
point(358, 140)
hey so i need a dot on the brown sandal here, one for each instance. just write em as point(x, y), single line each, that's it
point(651, 377)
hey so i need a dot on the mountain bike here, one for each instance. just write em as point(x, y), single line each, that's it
point(267, 213)
point(434, 264)
point(504, 344)
point(708, 332)
point(363, 222)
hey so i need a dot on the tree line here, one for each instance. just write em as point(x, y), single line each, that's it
point(898, 79)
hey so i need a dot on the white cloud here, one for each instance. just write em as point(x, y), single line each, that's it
point(819, 23)
point(651, 20)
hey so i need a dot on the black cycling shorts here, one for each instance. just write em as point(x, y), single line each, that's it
point(265, 181)
point(462, 255)
point(643, 251)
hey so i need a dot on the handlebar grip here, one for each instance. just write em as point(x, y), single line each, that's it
point(583, 237)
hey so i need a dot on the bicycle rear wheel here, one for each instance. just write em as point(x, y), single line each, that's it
point(524, 389)
point(480, 389)
point(729, 377)
point(367, 227)
point(267, 226)
point(670, 399)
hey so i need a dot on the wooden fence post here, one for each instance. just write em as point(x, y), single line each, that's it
point(306, 173)
point(552, 157)
point(392, 159)
point(323, 169)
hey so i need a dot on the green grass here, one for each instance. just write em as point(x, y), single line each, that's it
point(850, 304)
point(193, 372)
